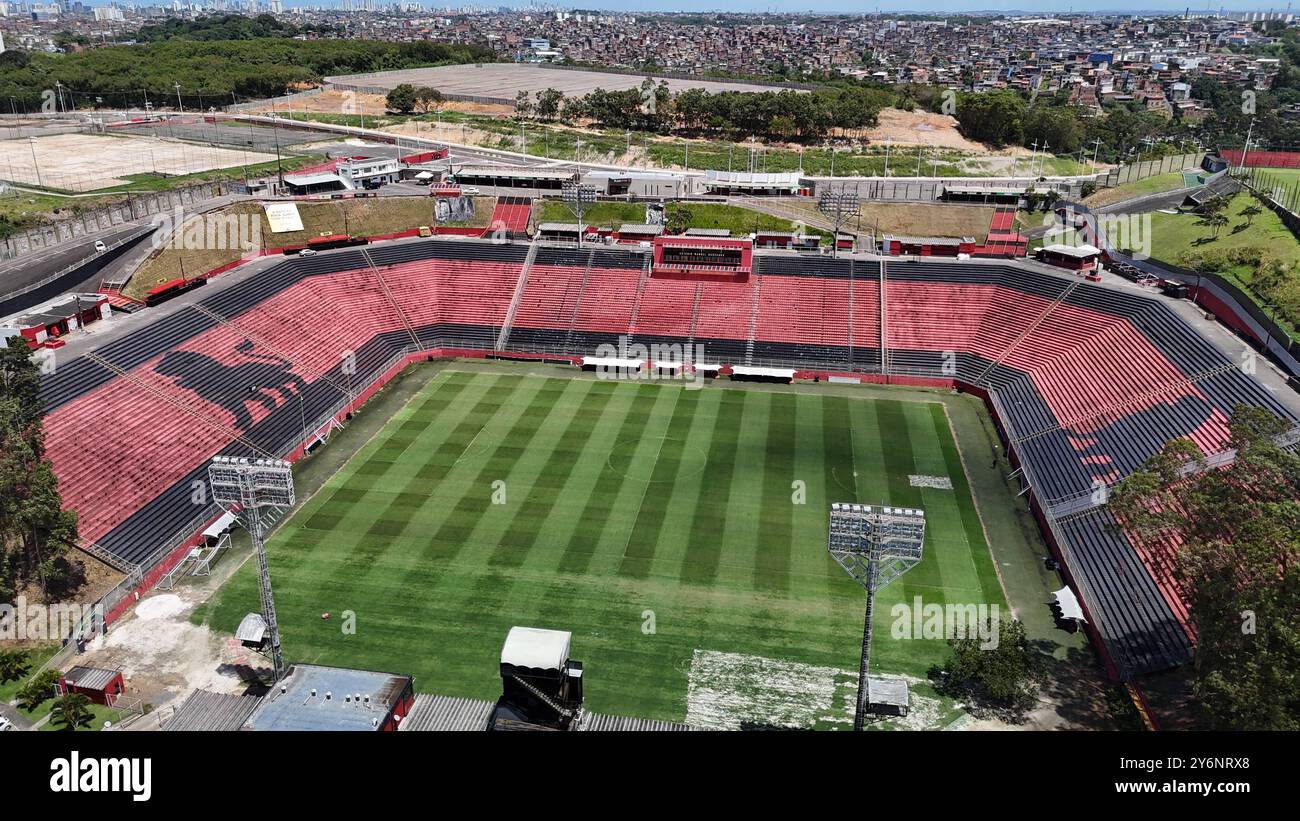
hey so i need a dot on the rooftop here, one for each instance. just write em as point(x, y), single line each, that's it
point(329, 698)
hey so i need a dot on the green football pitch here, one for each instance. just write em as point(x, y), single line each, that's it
point(679, 534)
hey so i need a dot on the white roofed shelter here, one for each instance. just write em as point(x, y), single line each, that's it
point(1069, 605)
point(536, 648)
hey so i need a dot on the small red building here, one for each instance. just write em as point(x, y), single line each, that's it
point(45, 325)
point(100, 685)
point(928, 246)
point(704, 257)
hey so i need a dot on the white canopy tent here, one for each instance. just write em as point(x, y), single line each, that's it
point(1069, 604)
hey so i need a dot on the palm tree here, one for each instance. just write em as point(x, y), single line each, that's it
point(70, 711)
point(13, 663)
point(1215, 220)
point(37, 690)
point(1250, 212)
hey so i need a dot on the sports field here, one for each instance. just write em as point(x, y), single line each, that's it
point(663, 526)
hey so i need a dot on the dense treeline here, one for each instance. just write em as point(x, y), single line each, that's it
point(35, 531)
point(217, 27)
point(209, 71)
point(775, 115)
point(1237, 563)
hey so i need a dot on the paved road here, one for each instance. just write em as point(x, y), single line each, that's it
point(16, 274)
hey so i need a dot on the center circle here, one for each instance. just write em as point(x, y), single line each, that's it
point(640, 467)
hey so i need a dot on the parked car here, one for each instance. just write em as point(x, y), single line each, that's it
point(307, 252)
point(469, 190)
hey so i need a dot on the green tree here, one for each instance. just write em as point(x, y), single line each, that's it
point(13, 663)
point(401, 99)
point(35, 530)
point(1005, 676)
point(428, 99)
point(548, 103)
point(523, 105)
point(1250, 212)
point(1214, 220)
point(994, 117)
point(71, 711)
point(34, 693)
point(1237, 563)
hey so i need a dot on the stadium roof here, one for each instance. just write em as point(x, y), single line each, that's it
point(929, 240)
point(639, 228)
point(329, 698)
point(56, 310)
point(302, 180)
point(515, 172)
point(206, 711)
point(745, 179)
point(433, 713)
point(1078, 251)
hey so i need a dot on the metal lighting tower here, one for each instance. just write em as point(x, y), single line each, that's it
point(839, 207)
point(874, 545)
point(254, 484)
point(578, 196)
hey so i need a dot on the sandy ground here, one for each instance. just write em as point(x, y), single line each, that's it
point(921, 128)
point(341, 102)
point(85, 162)
point(163, 656)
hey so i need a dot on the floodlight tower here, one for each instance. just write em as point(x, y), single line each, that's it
point(578, 196)
point(254, 484)
point(874, 545)
point(838, 206)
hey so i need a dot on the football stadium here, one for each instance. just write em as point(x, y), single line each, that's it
point(636, 449)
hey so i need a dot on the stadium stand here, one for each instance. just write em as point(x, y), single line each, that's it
point(1084, 381)
point(510, 214)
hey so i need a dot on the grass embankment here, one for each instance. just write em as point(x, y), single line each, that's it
point(1130, 190)
point(1245, 251)
point(363, 217)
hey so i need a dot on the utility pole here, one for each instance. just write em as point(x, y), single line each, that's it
point(888, 143)
point(179, 105)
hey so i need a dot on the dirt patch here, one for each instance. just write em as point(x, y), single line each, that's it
point(163, 656)
point(905, 219)
point(344, 102)
point(85, 162)
point(922, 128)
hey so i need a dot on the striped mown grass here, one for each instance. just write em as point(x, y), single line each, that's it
point(650, 520)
